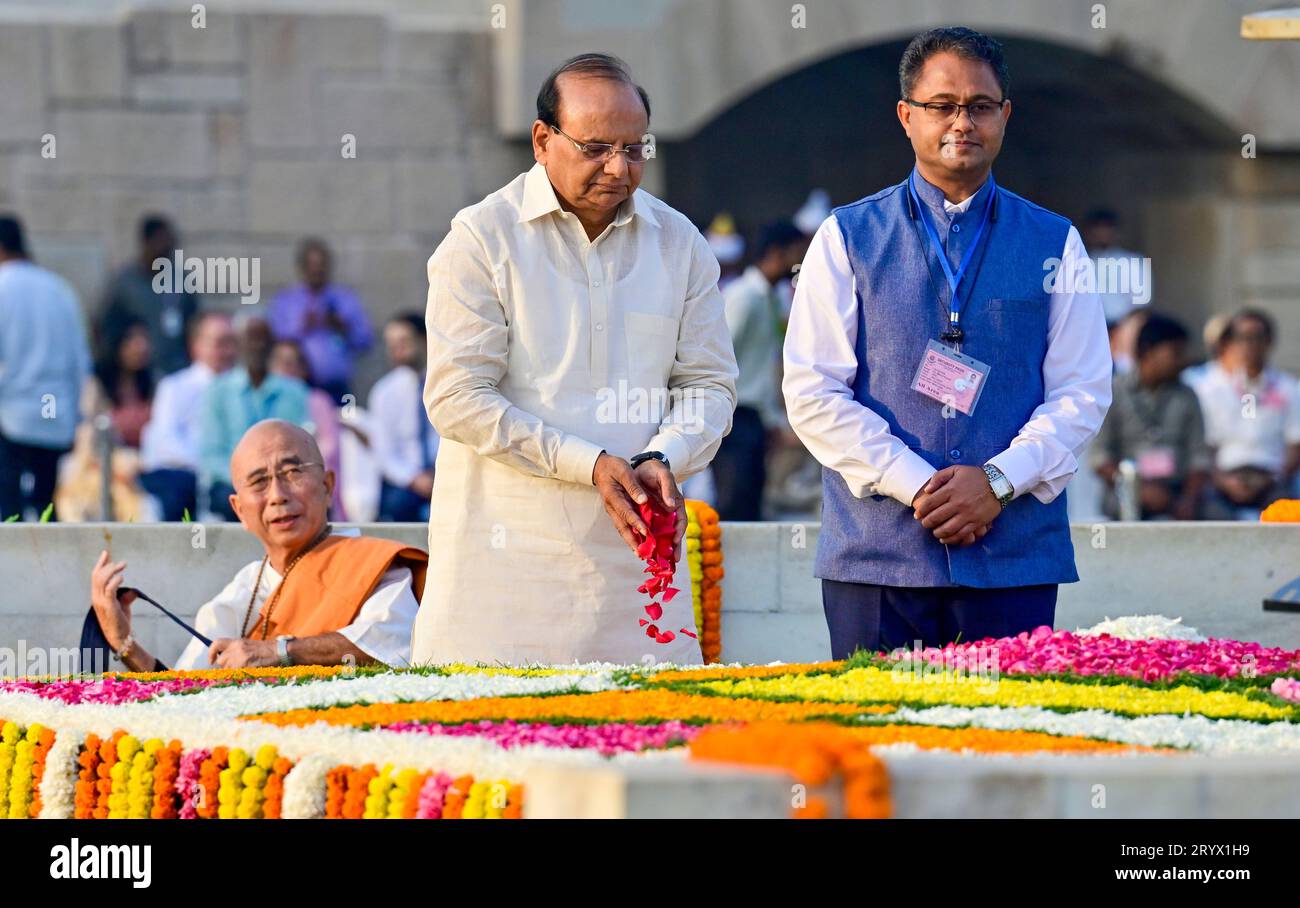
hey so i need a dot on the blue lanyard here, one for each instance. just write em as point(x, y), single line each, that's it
point(954, 277)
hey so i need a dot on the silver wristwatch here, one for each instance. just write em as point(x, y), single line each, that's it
point(282, 648)
point(1003, 491)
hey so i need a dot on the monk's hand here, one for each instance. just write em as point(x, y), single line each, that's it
point(957, 505)
point(665, 496)
point(114, 615)
point(618, 485)
point(234, 652)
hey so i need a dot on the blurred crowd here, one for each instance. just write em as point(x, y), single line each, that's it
point(134, 417)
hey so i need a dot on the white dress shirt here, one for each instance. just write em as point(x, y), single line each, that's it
point(752, 311)
point(381, 630)
point(400, 427)
point(1249, 423)
point(170, 440)
point(855, 441)
point(545, 348)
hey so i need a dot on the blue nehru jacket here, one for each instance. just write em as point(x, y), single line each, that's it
point(903, 301)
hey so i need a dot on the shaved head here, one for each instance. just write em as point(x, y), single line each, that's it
point(282, 488)
point(273, 432)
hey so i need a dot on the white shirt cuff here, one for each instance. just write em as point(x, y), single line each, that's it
point(1019, 467)
point(677, 451)
point(906, 477)
point(577, 460)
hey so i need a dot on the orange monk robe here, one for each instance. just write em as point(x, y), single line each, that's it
point(366, 589)
point(328, 586)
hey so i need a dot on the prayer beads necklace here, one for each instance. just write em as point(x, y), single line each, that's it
point(275, 597)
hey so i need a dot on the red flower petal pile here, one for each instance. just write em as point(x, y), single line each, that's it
point(657, 552)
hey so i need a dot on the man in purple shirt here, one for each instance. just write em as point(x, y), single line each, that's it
point(325, 319)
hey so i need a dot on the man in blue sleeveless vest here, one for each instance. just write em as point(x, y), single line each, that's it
point(939, 367)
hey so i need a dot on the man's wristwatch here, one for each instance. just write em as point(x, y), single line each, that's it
point(1003, 491)
point(638, 459)
point(282, 648)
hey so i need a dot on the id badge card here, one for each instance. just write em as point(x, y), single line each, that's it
point(950, 377)
point(1157, 463)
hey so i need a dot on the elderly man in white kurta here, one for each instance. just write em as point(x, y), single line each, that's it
point(579, 366)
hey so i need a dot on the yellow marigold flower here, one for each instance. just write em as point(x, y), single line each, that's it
point(266, 755)
point(127, 747)
point(875, 685)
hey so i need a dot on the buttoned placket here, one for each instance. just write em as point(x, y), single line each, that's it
point(598, 302)
point(954, 247)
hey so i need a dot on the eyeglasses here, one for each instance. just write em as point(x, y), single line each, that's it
point(981, 113)
point(293, 475)
point(600, 152)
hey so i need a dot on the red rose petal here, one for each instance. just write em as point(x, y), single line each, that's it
point(670, 593)
point(654, 610)
point(689, 633)
point(665, 637)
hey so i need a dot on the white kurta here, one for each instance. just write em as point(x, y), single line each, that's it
point(544, 349)
point(381, 630)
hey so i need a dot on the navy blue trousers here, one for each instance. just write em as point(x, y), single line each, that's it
point(400, 505)
point(872, 617)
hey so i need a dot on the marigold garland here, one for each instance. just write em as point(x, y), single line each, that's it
point(628, 706)
point(233, 674)
point(704, 558)
point(874, 685)
point(1284, 510)
point(816, 754)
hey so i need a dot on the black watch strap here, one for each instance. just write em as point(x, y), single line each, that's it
point(638, 459)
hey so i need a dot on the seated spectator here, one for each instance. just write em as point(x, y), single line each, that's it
point(234, 402)
point(1155, 421)
point(326, 318)
point(80, 493)
point(1252, 420)
point(122, 384)
point(402, 439)
point(169, 444)
point(1216, 351)
point(288, 359)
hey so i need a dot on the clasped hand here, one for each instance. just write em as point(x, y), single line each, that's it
point(957, 505)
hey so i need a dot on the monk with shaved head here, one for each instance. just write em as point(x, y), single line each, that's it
point(316, 597)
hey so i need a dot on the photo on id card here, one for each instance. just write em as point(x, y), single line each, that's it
point(950, 377)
